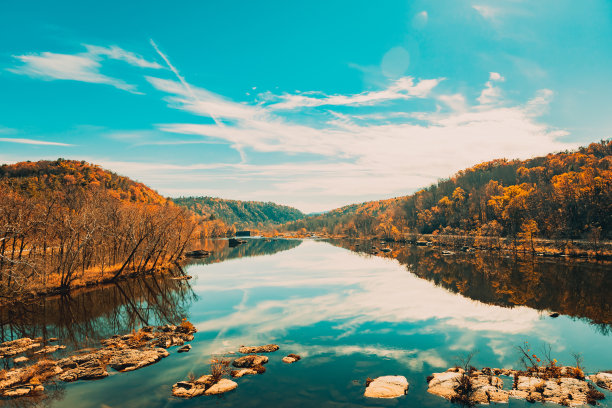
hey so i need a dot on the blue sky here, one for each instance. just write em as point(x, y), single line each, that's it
point(312, 104)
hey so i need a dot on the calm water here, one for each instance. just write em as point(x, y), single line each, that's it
point(349, 314)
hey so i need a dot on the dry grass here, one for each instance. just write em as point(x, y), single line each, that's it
point(218, 369)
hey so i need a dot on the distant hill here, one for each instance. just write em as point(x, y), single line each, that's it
point(561, 195)
point(241, 213)
point(34, 178)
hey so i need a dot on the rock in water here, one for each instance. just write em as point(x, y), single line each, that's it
point(604, 380)
point(249, 361)
point(291, 358)
point(130, 359)
point(202, 386)
point(184, 348)
point(224, 385)
point(268, 348)
point(242, 372)
point(390, 386)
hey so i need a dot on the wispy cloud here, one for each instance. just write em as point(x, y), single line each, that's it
point(83, 67)
point(32, 142)
point(403, 88)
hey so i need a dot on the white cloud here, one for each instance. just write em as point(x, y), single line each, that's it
point(114, 52)
point(491, 94)
point(351, 155)
point(83, 67)
point(403, 88)
point(32, 142)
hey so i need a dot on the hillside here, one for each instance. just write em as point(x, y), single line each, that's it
point(562, 195)
point(35, 178)
point(65, 224)
point(242, 214)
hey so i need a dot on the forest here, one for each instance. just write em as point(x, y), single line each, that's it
point(65, 224)
point(242, 214)
point(565, 195)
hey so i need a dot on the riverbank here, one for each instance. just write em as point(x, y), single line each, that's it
point(90, 278)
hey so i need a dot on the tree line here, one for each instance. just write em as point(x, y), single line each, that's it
point(242, 214)
point(67, 223)
point(565, 195)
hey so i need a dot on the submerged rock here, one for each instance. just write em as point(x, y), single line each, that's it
point(249, 361)
point(389, 386)
point(268, 348)
point(604, 380)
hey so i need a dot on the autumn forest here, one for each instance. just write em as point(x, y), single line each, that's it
point(68, 224)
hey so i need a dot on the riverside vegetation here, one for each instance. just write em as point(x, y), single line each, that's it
point(563, 196)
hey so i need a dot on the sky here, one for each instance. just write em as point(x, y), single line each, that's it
point(312, 104)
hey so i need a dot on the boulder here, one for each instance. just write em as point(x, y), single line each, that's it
point(224, 385)
point(130, 359)
point(242, 372)
point(291, 358)
point(249, 361)
point(268, 348)
point(202, 386)
point(390, 386)
point(603, 380)
point(184, 348)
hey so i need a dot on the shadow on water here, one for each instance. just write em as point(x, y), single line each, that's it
point(574, 288)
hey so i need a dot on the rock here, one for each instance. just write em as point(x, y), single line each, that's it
point(190, 389)
point(52, 339)
point(603, 380)
point(486, 388)
point(390, 386)
point(130, 359)
point(49, 349)
point(249, 361)
point(184, 349)
point(385, 250)
point(268, 348)
point(20, 360)
point(185, 389)
point(291, 358)
point(13, 347)
point(242, 372)
point(224, 385)
point(554, 314)
point(19, 391)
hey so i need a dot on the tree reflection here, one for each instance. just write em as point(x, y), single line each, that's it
point(575, 288)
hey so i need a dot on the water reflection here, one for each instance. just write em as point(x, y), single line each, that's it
point(221, 251)
point(349, 314)
point(574, 288)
